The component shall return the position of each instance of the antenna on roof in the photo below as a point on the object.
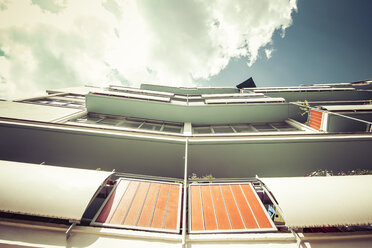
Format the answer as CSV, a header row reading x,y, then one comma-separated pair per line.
x,y
249,83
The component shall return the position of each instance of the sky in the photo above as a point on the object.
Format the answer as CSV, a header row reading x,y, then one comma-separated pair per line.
x,y
51,44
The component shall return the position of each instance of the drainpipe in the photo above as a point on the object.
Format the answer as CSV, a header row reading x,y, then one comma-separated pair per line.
x,y
184,196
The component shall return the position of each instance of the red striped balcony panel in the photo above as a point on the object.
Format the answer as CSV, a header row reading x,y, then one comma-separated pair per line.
x,y
142,205
316,119
226,208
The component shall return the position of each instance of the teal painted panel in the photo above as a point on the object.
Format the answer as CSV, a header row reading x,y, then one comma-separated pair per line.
x,y
341,124
366,116
296,113
204,114
272,158
81,149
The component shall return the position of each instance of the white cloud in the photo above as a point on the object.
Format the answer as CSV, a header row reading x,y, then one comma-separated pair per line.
x,y
268,53
53,44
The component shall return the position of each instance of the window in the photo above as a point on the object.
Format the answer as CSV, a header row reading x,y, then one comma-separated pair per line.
x,y
223,129
66,101
73,96
283,126
130,122
243,128
202,129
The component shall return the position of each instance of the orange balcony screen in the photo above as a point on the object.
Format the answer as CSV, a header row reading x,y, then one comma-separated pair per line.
x,y
226,208
316,119
140,204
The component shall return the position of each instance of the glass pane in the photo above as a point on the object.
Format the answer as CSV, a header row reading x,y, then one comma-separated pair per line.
x,y
87,119
109,121
172,129
82,119
73,105
129,124
283,126
75,96
264,127
151,126
222,129
57,103
243,128
43,102
202,130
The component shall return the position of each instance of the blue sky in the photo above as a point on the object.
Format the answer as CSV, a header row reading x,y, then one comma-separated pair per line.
x,y
51,44
328,42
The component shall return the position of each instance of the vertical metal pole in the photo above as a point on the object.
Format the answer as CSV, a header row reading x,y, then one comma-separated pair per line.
x,y
184,224
298,239
68,232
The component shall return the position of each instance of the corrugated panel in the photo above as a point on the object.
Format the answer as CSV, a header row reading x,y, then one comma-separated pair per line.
x,y
316,119
323,201
144,205
226,208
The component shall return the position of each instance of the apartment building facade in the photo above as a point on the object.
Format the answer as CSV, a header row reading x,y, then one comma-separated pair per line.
x,y
170,166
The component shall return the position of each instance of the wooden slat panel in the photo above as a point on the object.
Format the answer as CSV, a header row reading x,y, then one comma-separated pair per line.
x,y
313,118
136,207
172,208
112,203
316,112
221,214
245,210
256,207
197,223
158,219
236,207
124,204
142,204
208,209
315,126
235,219
149,205
316,119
